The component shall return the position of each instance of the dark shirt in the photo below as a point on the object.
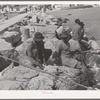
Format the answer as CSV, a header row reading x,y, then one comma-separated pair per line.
x,y
39,46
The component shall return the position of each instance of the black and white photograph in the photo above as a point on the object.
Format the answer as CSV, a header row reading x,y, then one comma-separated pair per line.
x,y
50,46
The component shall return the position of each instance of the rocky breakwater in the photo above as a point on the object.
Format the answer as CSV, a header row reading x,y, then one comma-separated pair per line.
x,y
27,77
6,47
51,78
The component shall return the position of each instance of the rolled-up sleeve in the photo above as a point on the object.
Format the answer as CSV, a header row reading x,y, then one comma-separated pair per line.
x,y
30,48
58,50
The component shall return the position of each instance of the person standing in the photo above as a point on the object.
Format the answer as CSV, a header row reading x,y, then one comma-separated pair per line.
x,y
83,40
76,30
78,35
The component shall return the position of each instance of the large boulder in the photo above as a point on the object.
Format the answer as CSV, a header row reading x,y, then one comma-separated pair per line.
x,y
16,78
10,53
48,29
5,50
4,45
93,62
51,43
11,36
42,82
71,77
10,85
23,78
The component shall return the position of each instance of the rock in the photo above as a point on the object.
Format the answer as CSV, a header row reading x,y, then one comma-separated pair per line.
x,y
42,82
51,69
16,78
23,78
49,29
51,43
94,44
68,85
10,85
97,86
12,36
14,28
72,72
97,75
93,61
19,73
71,77
4,45
85,83
9,54
4,63
33,19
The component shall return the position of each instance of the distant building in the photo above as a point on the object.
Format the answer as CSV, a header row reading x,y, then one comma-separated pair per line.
x,y
60,6
12,8
96,5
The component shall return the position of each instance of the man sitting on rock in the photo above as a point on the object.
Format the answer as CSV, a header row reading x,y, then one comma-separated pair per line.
x,y
63,55
34,49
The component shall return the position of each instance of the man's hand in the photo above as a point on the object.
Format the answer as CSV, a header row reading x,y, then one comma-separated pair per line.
x,y
41,66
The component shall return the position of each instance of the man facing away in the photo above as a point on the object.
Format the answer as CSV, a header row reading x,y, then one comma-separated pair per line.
x,y
77,35
76,30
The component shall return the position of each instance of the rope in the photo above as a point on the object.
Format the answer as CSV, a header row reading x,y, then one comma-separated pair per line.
x,y
31,67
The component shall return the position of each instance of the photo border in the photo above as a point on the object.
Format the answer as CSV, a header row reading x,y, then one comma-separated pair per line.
x,y
48,93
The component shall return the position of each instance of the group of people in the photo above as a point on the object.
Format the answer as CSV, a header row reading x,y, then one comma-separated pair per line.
x,y
72,43
77,33
68,50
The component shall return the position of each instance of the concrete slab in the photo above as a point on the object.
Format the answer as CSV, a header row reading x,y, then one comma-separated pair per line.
x,y
7,23
4,45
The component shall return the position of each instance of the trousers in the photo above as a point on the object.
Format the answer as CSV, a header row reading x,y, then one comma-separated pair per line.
x,y
38,56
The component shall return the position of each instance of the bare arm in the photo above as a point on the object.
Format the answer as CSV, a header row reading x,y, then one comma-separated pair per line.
x,y
30,57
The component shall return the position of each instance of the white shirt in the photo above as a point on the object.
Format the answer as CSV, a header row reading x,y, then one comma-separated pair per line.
x,y
94,44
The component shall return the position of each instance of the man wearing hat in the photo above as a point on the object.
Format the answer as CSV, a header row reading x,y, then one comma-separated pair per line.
x,y
37,51
63,53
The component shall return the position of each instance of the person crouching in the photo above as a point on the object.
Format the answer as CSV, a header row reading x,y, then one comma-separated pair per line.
x,y
63,55
37,51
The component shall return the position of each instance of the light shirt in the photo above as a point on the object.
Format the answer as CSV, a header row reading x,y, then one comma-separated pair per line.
x,y
76,32
63,50
94,45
